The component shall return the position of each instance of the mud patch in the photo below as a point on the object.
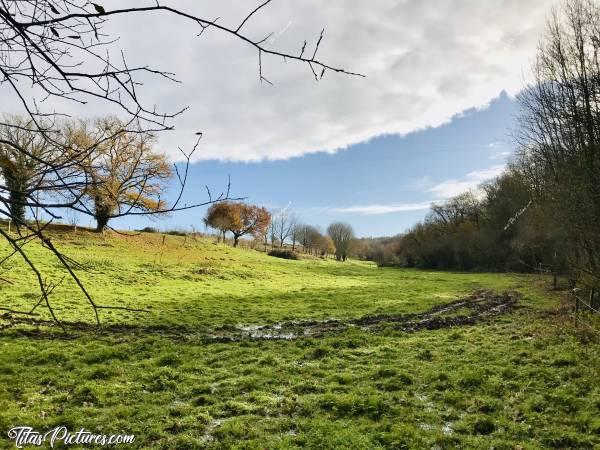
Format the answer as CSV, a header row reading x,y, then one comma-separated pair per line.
x,y
480,305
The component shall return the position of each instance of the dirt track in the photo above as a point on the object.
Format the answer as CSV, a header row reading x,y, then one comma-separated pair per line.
x,y
466,311
480,305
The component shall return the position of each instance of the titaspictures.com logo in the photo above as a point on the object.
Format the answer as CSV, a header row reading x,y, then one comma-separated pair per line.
x,y
24,435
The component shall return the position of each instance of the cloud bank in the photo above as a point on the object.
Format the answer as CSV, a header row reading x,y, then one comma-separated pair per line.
x,y
424,61
377,209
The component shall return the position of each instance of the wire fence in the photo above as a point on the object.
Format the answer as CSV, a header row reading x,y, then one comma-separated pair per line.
x,y
585,310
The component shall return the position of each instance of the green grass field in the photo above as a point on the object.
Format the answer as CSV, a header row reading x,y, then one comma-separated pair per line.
x,y
524,379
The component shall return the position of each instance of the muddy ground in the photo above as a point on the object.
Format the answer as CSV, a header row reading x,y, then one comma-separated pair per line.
x,y
480,305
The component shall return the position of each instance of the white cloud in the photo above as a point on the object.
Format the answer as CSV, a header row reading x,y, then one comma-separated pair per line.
x,y
424,61
452,187
500,155
501,151
377,209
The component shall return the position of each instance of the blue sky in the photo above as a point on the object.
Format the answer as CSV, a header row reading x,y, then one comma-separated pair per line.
x,y
427,122
381,186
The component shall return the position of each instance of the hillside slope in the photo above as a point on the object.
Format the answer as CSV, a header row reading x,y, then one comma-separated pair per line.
x,y
520,378
199,283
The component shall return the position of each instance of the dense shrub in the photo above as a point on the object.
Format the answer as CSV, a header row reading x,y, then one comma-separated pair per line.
x,y
285,254
149,230
176,232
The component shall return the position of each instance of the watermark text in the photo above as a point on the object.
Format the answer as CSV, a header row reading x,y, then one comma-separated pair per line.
x,y
24,435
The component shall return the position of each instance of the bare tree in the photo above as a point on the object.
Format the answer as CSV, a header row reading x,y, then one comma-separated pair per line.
x,y
272,230
559,131
301,235
60,50
342,235
283,224
265,234
457,209
24,175
297,234
312,239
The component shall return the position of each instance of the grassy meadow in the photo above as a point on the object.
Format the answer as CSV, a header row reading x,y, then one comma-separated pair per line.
x,y
524,379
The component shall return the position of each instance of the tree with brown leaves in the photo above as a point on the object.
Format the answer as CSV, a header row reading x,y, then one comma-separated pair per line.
x,y
220,217
126,172
249,219
239,218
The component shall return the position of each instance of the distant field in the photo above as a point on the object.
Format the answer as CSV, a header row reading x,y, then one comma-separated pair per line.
x,y
203,284
519,378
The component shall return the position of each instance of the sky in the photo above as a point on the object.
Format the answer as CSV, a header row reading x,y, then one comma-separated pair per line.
x,y
381,187
432,117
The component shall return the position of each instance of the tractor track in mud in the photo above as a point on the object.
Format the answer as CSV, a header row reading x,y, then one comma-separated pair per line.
x,y
479,306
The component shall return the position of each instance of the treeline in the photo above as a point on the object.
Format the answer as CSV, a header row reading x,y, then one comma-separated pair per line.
x,y
103,167
107,168
545,210
496,228
278,229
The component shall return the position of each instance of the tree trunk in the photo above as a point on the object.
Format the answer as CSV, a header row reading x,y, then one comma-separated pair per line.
x,y
101,223
16,199
103,211
236,239
17,208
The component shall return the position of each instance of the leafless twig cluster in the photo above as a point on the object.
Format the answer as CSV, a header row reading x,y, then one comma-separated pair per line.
x,y
53,52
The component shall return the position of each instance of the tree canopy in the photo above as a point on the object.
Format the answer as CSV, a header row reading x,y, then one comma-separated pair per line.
x,y
126,172
239,218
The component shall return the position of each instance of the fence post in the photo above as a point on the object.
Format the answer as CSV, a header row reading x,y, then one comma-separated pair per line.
x,y
576,305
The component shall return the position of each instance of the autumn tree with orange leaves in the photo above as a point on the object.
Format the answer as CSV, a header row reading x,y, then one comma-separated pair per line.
x,y
240,219
220,216
125,173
